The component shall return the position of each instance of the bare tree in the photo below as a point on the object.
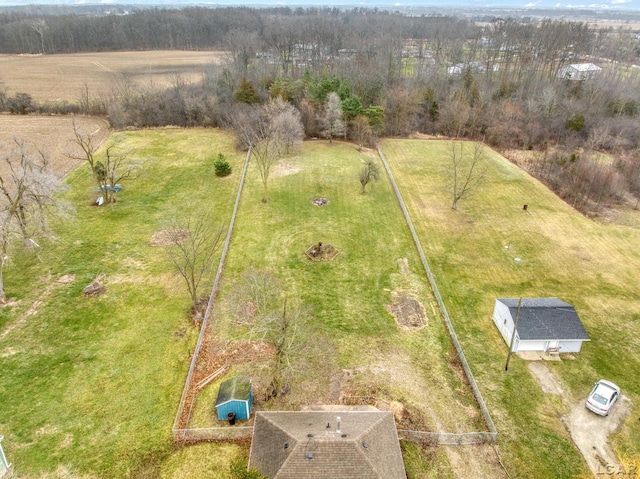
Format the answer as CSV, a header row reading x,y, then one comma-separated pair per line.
x,y
630,167
285,125
467,169
192,244
259,303
283,332
370,172
332,124
27,192
110,169
401,111
361,131
254,297
271,131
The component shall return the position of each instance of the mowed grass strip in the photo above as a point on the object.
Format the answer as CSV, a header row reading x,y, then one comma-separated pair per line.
x,y
472,252
92,384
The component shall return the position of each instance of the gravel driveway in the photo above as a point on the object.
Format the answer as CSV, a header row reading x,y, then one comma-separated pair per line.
x,y
589,432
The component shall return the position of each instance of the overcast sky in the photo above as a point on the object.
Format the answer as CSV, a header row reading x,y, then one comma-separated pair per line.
x,y
575,4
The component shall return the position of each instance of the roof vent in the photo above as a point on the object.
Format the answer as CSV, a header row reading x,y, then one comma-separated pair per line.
x,y
365,444
309,435
309,455
286,445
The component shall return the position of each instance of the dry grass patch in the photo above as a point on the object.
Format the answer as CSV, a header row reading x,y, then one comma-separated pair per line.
x,y
53,135
64,77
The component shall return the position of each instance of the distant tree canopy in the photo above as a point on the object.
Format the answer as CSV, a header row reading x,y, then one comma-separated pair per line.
x,y
495,81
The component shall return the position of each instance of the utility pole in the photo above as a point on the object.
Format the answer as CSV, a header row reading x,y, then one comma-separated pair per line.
x,y
513,336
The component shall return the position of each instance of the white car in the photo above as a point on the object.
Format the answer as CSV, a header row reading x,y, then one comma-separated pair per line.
x,y
602,397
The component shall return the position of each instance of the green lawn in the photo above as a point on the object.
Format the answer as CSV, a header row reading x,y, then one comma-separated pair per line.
x,y
563,254
90,386
347,298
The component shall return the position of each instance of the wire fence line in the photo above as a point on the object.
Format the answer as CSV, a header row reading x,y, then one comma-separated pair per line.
x,y
242,433
434,287
207,314
185,434
447,438
427,437
202,434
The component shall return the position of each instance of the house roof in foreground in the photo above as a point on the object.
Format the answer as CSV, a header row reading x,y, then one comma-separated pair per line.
x,y
546,319
308,445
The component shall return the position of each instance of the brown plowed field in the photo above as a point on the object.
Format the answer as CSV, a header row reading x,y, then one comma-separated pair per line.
x,y
63,77
53,135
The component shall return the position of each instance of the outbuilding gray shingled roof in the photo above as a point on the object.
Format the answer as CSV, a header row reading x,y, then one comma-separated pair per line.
x,y
307,445
546,319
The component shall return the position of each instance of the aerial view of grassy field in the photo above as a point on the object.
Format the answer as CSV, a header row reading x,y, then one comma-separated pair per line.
x,y
562,254
330,292
356,348
90,386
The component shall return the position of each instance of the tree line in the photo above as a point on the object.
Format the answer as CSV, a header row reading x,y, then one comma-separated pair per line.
x,y
360,73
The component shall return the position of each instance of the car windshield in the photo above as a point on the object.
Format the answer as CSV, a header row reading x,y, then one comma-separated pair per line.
x,y
600,399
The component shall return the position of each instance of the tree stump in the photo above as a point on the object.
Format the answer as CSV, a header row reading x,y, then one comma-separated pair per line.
x,y
96,287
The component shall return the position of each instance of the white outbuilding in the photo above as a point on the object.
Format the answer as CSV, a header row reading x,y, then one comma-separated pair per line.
x,y
579,71
544,324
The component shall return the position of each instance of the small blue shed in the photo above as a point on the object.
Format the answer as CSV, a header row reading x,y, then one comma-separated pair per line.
x,y
235,396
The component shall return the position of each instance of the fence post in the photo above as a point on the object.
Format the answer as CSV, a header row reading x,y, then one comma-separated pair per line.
x,y
214,290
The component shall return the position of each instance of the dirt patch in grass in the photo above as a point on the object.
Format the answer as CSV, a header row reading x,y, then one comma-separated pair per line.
x,y
284,168
167,237
408,312
548,381
321,252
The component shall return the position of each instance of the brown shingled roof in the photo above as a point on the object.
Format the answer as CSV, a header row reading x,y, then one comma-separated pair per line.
x,y
307,445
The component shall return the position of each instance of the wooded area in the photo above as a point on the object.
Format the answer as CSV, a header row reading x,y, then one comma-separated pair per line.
x,y
394,74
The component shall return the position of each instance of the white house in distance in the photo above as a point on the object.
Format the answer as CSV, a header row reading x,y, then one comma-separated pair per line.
x,y
544,324
579,71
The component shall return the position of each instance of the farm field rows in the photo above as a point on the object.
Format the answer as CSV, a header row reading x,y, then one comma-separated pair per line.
x,y
64,77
